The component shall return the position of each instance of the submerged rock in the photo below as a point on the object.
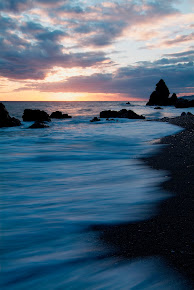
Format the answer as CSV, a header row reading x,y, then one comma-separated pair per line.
x,y
6,120
95,119
158,108
110,119
59,115
129,114
38,125
35,115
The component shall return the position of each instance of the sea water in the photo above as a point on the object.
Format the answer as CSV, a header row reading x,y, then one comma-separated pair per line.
x,y
57,182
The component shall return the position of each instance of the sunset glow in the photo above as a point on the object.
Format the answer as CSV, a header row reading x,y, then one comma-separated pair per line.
x,y
94,50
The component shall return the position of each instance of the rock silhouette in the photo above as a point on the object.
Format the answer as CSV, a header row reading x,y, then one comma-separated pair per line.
x,y
95,119
59,115
159,97
38,125
183,103
173,100
6,120
129,114
35,115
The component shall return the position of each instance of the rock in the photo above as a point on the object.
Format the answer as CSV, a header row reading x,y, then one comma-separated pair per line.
x,y
35,115
110,119
184,103
108,114
189,114
59,115
38,124
95,119
172,100
183,114
159,97
129,114
128,103
158,108
6,120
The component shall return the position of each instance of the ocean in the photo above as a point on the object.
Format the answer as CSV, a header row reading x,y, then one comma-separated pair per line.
x,y
58,182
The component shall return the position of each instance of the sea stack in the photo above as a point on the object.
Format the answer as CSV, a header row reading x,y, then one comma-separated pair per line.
x,y
159,97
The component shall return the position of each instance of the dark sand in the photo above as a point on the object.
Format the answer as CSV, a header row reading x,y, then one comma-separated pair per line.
x,y
169,234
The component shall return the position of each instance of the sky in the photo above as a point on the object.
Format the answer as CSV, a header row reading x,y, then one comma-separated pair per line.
x,y
95,50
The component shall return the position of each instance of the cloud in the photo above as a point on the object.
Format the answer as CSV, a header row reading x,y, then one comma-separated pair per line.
x,y
132,81
41,34
179,39
178,54
23,5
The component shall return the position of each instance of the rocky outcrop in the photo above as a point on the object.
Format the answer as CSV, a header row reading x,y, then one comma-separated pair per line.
x,y
184,103
172,101
159,97
128,103
158,108
59,115
6,120
129,114
95,119
38,125
35,115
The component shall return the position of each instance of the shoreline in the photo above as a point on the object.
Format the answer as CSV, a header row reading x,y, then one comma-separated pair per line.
x,y
169,234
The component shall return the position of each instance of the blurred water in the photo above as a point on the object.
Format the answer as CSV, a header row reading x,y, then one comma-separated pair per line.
x,y
57,182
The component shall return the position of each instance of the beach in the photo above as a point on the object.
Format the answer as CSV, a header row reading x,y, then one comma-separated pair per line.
x,y
83,205
169,234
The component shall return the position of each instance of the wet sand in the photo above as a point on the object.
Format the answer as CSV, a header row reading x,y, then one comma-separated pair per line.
x,y
169,234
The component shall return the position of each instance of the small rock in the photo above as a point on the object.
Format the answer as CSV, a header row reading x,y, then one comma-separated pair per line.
x,y
95,119
59,115
110,119
38,125
158,108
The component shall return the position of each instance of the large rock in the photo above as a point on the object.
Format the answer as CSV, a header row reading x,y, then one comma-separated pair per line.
x,y
129,114
6,120
159,97
38,125
59,115
35,115
172,101
184,103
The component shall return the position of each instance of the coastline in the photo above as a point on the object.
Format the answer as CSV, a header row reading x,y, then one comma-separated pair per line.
x,y
169,234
